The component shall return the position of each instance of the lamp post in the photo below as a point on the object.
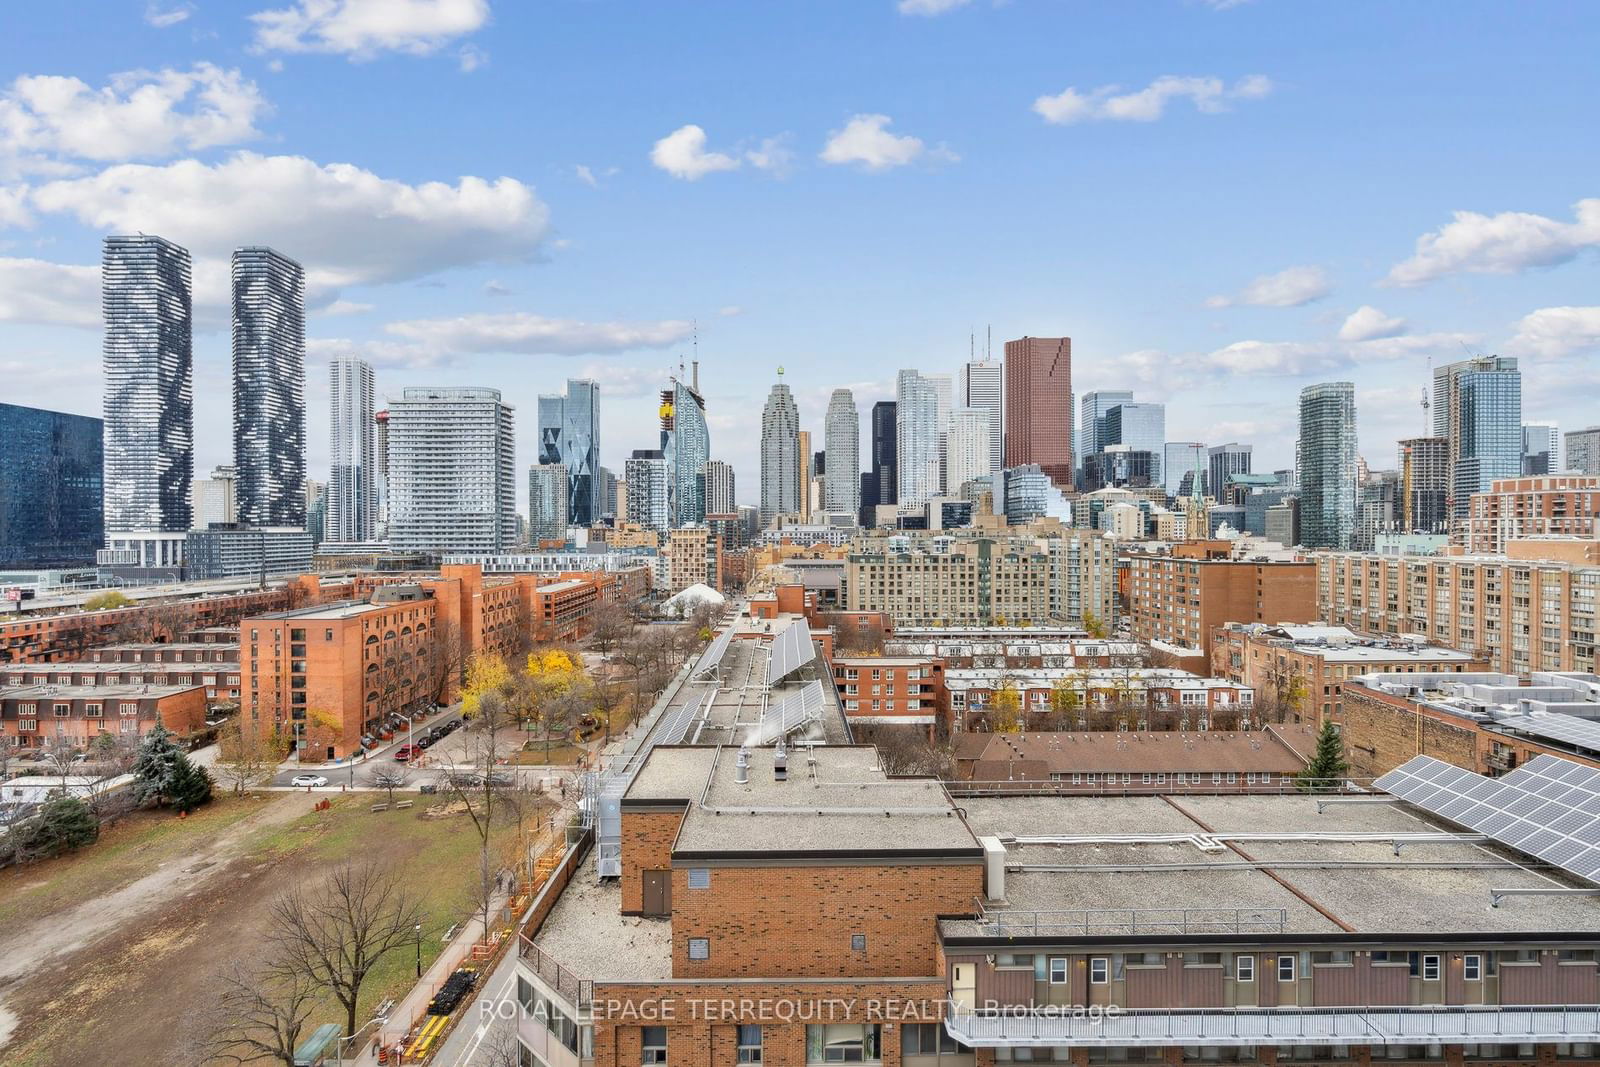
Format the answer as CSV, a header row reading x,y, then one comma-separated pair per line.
x,y
419,951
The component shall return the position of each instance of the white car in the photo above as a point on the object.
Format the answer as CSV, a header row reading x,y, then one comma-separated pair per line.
x,y
301,781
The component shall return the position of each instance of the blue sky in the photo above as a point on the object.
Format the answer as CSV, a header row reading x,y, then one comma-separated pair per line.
x,y
1219,202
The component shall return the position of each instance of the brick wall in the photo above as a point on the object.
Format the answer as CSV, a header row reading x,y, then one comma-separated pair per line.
x,y
647,838
1380,735
766,921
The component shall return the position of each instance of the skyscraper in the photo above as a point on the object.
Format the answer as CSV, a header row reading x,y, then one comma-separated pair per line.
x,y
380,448
569,434
452,471
1231,458
967,448
269,387
649,489
916,438
884,466
841,437
1179,458
353,470
51,493
686,444
803,457
1092,410
1142,427
216,498
1583,450
983,388
1424,484
1327,465
780,455
547,503
149,400
1038,406
718,479
1477,408
1541,448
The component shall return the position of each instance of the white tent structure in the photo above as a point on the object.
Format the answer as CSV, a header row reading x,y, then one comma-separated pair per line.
x,y
683,603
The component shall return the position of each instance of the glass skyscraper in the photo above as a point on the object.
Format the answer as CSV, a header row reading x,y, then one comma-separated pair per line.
x,y
1093,409
452,471
917,430
1478,410
50,488
841,437
1142,427
353,486
569,434
780,455
149,396
686,444
269,387
1328,465
547,503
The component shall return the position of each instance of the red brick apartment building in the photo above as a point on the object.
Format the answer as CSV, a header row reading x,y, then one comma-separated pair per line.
x,y
1537,506
218,678
1180,602
803,908
31,714
892,691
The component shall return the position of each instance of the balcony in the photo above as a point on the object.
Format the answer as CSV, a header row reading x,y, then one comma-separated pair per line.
x,y
1232,1027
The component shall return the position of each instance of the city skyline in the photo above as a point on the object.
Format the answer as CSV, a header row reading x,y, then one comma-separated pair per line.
x,y
529,284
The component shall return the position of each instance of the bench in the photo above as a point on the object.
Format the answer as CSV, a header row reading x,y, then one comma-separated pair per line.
x,y
402,805
380,807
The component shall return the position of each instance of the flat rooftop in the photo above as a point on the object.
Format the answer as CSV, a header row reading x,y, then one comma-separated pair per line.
x,y
1113,860
343,610
120,667
587,934
110,692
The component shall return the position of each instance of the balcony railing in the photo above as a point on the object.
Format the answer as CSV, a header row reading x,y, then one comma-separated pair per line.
x,y
1272,1026
1007,922
579,992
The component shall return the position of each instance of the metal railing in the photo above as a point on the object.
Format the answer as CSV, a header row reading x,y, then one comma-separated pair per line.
x,y
1280,786
578,991
1007,922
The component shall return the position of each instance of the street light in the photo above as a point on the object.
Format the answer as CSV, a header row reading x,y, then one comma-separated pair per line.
x,y
419,952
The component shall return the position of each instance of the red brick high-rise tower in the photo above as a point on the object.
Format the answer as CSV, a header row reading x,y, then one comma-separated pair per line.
x,y
1038,401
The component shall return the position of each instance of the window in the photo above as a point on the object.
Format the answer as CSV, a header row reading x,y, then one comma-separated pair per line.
x,y
63,710
1232,777
1330,959
1058,970
1144,959
858,942
1523,956
927,1039
1092,777
1216,777
699,948
749,1044
1381,957
653,1044
1246,966
1014,960
1077,777
1430,968
1471,968
699,877
1202,959
1576,955
1161,778
91,711
1147,778
842,1043
1285,968
1099,971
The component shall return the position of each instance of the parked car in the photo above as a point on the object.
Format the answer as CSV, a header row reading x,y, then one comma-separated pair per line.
x,y
308,781
405,752
426,741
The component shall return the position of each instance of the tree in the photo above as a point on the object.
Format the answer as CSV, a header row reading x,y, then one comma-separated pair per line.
x,y
111,598
110,756
155,766
389,778
60,756
1064,704
1092,624
481,793
63,823
335,932
10,746
610,623
191,785
444,661
260,1016
1328,766
486,672
1007,704
246,753
906,750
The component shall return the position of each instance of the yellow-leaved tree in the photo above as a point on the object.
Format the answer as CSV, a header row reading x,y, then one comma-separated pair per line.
x,y
1007,709
486,672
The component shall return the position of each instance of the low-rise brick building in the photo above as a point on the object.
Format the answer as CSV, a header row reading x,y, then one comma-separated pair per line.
x,y
219,679
1145,698
893,691
31,714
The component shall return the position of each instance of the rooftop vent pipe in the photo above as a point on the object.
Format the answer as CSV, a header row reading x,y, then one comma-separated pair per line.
x,y
780,763
741,766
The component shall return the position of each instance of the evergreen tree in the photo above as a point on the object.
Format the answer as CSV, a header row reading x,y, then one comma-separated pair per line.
x,y
155,766
1328,766
63,824
191,785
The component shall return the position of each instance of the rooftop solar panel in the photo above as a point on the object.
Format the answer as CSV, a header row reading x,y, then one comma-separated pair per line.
x,y
711,658
791,650
789,714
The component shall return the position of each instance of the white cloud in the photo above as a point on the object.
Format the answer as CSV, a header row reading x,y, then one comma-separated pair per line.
x,y
773,155
161,18
730,311
929,7
866,140
586,176
381,354
33,290
362,29
347,225
682,154
140,115
345,307
14,206
1506,243
529,334
625,381
1325,357
1209,95
1367,323
1557,331
471,57
1288,288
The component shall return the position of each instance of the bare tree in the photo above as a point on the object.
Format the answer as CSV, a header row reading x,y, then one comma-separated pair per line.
x,y
389,778
333,934
905,750
482,793
446,660
245,752
59,753
260,1016
110,756
611,623
10,747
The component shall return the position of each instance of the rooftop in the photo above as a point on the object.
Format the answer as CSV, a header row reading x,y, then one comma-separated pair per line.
x,y
344,609
110,692
587,934
1283,750
1337,644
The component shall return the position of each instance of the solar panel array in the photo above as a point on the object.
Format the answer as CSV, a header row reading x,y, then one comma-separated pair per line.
x,y
711,658
1548,808
791,650
675,723
790,714
1568,729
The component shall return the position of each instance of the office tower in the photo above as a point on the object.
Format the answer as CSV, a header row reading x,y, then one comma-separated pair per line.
x,y
269,387
1327,465
944,388
1120,466
569,434
968,448
1583,450
686,444
1092,411
1477,408
149,400
1541,448
608,483
1143,428
1026,493
781,487
316,504
1181,458
51,490
649,489
547,503
452,471
1424,484
841,438
1231,458
380,484
885,454
983,387
353,460
916,438
803,472
1380,504
718,477
1038,410
215,499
